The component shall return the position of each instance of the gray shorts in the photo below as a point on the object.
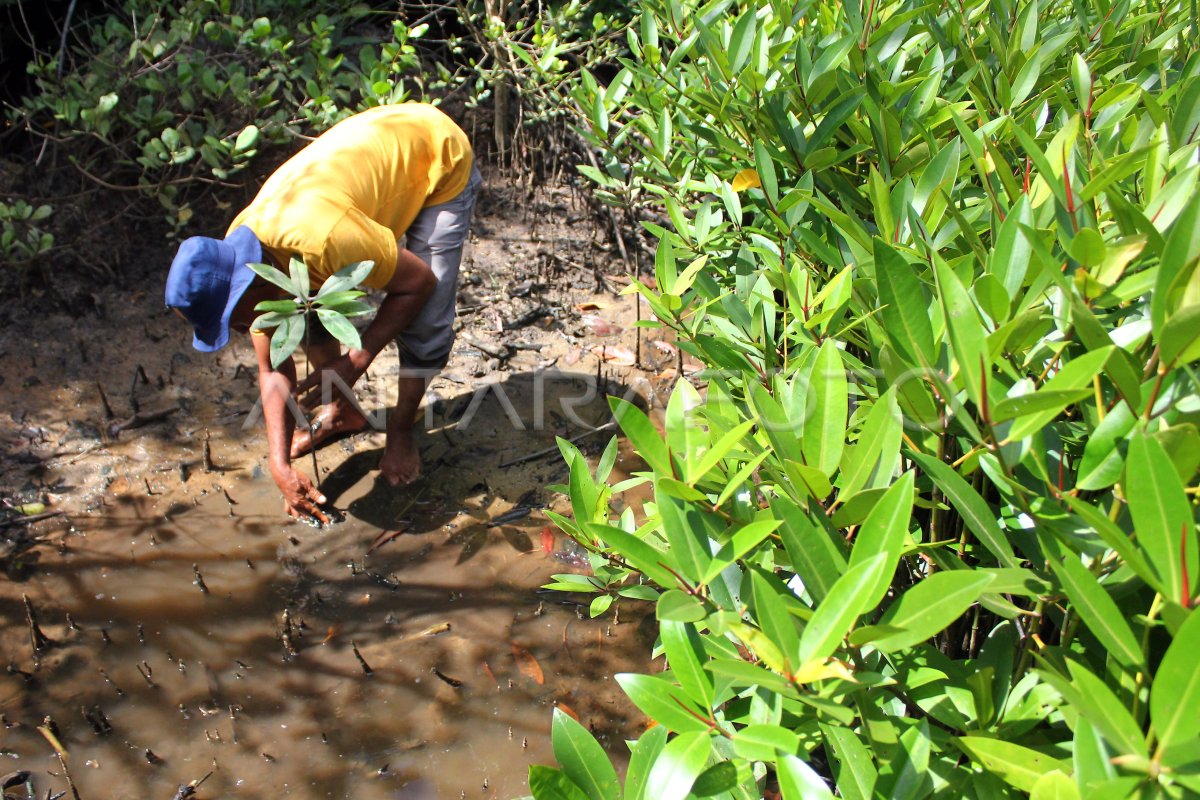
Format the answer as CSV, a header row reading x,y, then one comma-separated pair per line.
x,y
437,237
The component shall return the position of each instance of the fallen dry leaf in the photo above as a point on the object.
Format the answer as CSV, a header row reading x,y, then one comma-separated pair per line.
x,y
592,305
527,664
614,354
566,709
547,540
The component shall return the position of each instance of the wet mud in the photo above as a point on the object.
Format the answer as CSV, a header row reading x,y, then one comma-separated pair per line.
x,y
168,632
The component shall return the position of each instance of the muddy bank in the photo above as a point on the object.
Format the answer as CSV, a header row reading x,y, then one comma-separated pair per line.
x,y
405,652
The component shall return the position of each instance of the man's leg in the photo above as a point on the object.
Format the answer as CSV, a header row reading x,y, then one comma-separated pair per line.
x,y
401,462
437,237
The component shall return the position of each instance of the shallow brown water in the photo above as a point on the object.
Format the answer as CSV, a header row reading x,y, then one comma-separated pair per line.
x,y
467,660
227,697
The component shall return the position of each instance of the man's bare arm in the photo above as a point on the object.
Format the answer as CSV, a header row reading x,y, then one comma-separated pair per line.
x,y
275,387
407,292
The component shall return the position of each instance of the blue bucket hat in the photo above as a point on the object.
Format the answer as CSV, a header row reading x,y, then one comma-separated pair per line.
x,y
207,278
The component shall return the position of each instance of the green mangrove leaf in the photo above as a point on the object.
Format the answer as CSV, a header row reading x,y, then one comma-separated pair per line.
x,y
548,783
286,339
272,275
825,428
974,511
686,656
854,593
924,610
1176,691
799,781
641,758
1095,606
582,758
906,306
883,532
855,766
1017,765
1162,516
340,327
642,435
678,766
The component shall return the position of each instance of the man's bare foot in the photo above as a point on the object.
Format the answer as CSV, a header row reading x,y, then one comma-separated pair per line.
x,y
401,462
333,421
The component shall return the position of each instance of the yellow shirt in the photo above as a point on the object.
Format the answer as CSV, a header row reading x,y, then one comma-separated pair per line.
x,y
351,193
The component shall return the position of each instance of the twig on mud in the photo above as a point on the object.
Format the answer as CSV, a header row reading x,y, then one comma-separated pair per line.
x,y
68,458
432,630
38,640
384,537
549,450
362,662
207,453
495,351
105,407
16,779
187,790
120,692
47,731
528,318
95,716
455,682
146,672
139,419
14,521
199,580
138,373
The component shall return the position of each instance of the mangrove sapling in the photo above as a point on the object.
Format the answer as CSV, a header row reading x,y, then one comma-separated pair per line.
x,y
334,302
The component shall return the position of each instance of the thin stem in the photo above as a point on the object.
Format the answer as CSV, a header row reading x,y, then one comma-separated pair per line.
x,y
311,424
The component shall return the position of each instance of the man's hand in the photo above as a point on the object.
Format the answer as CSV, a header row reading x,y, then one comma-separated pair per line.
x,y
301,499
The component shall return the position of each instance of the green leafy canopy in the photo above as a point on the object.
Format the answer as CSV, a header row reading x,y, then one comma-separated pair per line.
x,y
928,526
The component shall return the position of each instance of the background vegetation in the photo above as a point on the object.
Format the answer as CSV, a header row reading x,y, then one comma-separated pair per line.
x,y
134,119
930,528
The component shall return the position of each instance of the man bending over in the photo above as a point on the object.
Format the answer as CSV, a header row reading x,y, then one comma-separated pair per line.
x,y
390,172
